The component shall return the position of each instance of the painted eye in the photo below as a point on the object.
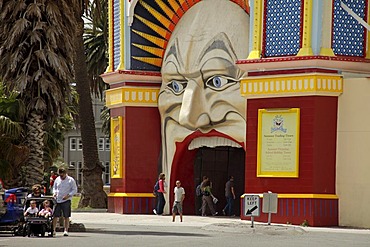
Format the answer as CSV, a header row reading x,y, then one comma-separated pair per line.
x,y
176,86
219,82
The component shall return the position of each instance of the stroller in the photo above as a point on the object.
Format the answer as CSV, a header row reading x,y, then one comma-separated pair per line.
x,y
38,225
11,209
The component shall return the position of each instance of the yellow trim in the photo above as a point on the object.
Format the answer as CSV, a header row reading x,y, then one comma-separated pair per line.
x,y
278,159
110,37
302,196
368,31
117,155
257,30
327,52
306,49
326,41
121,65
297,85
130,195
132,96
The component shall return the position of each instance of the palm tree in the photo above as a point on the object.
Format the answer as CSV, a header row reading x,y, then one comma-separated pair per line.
x,y
92,193
13,152
36,53
96,47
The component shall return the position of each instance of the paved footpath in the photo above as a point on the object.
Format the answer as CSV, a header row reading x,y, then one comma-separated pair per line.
x,y
109,229
220,223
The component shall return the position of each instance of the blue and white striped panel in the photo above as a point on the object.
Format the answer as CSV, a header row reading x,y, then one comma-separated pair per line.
x,y
116,36
348,33
283,23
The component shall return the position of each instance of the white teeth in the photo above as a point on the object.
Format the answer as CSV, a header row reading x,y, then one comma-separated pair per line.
x,y
212,142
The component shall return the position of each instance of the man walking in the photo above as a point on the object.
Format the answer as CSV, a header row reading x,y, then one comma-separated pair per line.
x,y
179,198
230,197
63,190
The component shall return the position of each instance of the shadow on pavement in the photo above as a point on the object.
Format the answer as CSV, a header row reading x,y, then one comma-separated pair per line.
x,y
148,233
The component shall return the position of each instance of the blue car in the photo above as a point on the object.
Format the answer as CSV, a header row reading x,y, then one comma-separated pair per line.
x,y
14,200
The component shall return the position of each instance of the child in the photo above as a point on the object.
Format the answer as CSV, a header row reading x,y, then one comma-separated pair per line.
x,y
46,211
32,209
179,198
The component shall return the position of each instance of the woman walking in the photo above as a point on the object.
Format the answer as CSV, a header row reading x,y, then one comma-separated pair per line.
x,y
160,195
207,198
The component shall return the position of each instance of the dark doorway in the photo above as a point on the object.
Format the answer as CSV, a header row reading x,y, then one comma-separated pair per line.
x,y
218,164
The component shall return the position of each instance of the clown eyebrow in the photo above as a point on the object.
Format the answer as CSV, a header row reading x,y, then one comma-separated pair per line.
x,y
220,41
173,50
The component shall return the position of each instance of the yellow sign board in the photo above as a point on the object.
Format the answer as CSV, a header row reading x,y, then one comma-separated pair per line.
x,y
117,147
278,142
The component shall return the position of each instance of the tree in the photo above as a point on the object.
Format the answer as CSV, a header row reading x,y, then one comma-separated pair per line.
x,y
13,151
96,47
92,193
35,59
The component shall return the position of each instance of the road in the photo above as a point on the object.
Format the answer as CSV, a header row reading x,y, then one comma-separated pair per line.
x,y
106,229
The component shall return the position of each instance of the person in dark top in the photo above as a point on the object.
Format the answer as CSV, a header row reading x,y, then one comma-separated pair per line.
x,y
230,197
36,191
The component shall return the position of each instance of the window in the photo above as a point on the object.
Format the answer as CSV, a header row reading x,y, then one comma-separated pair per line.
x,y
101,144
107,173
79,148
107,144
72,144
79,173
72,165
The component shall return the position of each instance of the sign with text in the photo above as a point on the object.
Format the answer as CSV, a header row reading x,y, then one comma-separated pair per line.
x,y
116,151
252,205
278,142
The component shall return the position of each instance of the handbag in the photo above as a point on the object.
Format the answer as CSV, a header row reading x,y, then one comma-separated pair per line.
x,y
214,199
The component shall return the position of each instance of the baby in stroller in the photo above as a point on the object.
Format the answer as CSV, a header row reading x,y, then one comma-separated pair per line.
x,y
39,223
46,211
32,210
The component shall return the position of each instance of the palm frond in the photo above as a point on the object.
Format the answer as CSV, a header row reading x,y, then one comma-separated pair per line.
x,y
10,128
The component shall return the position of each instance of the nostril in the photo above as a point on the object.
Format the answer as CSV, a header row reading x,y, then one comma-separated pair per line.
x,y
202,121
193,121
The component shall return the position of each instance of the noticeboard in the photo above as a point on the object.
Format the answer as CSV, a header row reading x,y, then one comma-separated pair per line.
x,y
278,142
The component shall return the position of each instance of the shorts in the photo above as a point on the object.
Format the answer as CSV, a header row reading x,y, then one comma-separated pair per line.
x,y
63,209
177,208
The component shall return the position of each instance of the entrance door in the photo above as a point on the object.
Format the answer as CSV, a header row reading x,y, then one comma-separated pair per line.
x,y
218,164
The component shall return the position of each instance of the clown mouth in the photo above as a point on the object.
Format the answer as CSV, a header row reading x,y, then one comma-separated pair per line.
x,y
213,141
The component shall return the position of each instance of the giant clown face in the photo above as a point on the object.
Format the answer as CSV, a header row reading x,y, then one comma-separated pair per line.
x,y
199,101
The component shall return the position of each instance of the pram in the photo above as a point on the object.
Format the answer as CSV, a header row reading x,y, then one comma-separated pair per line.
x,y
38,225
11,213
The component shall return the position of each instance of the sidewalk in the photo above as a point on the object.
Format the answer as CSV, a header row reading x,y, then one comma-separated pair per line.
x,y
218,223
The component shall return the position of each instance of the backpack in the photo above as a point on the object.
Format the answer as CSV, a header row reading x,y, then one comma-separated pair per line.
x,y
198,191
156,187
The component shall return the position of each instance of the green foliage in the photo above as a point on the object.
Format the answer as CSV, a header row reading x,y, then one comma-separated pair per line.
x,y
305,223
12,149
96,45
96,48
105,117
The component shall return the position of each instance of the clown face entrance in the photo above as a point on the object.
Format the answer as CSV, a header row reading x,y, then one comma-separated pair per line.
x,y
218,164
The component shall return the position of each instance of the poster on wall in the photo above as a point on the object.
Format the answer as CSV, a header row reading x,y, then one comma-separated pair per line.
x,y
278,142
116,169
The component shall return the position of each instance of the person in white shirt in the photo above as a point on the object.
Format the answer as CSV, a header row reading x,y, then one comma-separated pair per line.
x,y
32,209
179,198
63,190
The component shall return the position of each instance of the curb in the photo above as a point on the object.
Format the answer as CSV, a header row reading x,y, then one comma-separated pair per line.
x,y
73,227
